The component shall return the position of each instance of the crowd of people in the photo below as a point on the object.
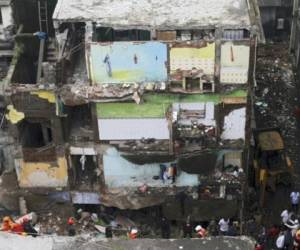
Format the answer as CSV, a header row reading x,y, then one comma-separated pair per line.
x,y
286,235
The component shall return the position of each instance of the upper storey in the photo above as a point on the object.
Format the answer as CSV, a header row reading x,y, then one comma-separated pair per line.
x,y
156,14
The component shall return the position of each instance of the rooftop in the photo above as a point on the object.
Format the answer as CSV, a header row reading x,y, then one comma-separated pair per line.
x,y
157,14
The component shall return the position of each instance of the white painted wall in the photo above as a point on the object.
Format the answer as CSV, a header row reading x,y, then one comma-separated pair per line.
x,y
7,19
234,63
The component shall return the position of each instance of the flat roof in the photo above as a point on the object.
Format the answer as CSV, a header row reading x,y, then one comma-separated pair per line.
x,y
155,14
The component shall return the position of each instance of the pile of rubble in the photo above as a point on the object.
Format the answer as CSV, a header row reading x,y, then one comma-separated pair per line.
x,y
276,95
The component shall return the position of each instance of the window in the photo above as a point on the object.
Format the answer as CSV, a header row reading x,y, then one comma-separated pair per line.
x,y
35,134
208,87
280,23
236,34
103,34
166,35
192,83
186,35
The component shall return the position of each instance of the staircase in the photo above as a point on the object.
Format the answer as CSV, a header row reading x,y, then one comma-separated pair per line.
x,y
51,53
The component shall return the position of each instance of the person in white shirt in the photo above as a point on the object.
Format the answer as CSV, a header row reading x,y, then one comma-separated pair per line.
x,y
285,216
295,199
280,241
223,226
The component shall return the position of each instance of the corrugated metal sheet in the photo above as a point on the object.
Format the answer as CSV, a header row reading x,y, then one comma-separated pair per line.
x,y
155,14
133,129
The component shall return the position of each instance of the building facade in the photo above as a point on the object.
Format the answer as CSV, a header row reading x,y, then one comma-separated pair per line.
x,y
138,106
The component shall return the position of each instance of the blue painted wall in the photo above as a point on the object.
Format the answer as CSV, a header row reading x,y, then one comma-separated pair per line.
x,y
118,172
123,62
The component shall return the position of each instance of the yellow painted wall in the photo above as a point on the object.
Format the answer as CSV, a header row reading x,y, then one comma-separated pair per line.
x,y
13,115
43,174
44,94
189,58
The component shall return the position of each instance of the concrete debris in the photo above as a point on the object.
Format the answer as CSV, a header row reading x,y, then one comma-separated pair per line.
x,y
94,243
73,95
277,107
152,14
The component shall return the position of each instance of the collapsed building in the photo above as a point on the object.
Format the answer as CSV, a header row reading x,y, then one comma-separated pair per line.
x,y
133,104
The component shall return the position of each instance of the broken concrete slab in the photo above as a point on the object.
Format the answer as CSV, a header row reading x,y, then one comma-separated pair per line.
x,y
16,242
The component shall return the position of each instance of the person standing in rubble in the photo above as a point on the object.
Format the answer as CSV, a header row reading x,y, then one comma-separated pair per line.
x,y
223,226
295,199
162,172
71,227
165,228
173,172
285,216
187,229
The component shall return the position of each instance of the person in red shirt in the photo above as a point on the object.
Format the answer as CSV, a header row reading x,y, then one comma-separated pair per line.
x,y
10,226
259,247
272,235
6,224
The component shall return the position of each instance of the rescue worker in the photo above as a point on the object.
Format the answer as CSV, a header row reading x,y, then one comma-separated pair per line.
x,y
288,239
187,230
71,226
223,226
200,231
295,199
133,234
272,235
10,226
297,240
6,226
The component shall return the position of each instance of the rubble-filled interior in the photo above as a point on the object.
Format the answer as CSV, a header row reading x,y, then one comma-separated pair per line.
x,y
112,114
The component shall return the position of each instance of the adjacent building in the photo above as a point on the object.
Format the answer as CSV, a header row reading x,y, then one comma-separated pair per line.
x,y
295,36
276,18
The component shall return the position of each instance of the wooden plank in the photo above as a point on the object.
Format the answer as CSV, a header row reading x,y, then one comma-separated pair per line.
x,y
40,61
166,35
